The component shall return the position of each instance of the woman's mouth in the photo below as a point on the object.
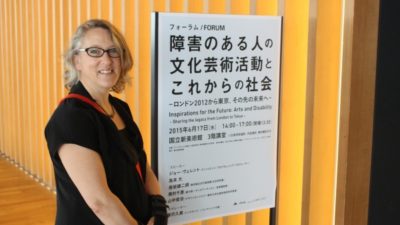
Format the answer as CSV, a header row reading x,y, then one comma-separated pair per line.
x,y
106,72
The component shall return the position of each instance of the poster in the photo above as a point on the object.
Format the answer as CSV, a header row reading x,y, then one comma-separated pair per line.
x,y
215,112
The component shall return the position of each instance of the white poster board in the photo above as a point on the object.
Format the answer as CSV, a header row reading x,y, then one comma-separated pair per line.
x,y
215,112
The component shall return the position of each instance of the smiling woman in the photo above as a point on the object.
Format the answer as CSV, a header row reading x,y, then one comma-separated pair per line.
x,y
100,166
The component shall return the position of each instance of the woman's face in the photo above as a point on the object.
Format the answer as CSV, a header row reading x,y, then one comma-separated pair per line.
x,y
98,72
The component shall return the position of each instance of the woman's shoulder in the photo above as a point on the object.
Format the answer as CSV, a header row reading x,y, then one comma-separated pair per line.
x,y
72,122
74,106
73,111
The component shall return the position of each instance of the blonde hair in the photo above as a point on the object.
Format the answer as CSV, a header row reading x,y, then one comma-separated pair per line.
x,y
71,75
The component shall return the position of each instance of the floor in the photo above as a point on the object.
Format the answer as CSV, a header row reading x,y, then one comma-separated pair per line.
x,y
22,200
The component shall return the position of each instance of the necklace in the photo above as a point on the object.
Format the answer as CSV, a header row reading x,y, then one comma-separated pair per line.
x,y
111,115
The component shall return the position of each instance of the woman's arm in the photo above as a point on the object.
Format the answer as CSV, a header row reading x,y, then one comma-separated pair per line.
x,y
151,185
86,170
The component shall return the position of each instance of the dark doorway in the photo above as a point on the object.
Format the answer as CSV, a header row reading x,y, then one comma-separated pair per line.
x,y
384,205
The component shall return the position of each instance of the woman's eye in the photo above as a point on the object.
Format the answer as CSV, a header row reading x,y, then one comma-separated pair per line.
x,y
113,52
95,51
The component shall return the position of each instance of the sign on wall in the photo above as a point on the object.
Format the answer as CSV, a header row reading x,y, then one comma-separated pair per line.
x,y
215,112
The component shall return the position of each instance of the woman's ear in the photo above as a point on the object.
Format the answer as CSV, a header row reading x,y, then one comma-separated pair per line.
x,y
76,62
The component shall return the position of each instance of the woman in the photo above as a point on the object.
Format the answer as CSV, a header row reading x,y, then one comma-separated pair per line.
x,y
101,170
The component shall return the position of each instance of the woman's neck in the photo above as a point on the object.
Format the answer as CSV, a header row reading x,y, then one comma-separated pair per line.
x,y
98,94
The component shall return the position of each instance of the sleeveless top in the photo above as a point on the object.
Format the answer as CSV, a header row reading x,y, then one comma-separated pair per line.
x,y
78,123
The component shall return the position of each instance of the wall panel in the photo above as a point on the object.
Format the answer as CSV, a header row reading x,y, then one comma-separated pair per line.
x,y
47,95
216,6
41,95
195,6
293,111
65,30
10,88
34,90
8,129
325,112
2,78
74,8
16,94
144,72
22,62
178,5
130,22
56,54
29,128
7,34
94,9
104,9
269,8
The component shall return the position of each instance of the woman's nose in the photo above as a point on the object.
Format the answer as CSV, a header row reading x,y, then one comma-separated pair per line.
x,y
105,58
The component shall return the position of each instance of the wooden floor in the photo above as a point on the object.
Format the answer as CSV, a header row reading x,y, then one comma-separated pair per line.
x,y
22,200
